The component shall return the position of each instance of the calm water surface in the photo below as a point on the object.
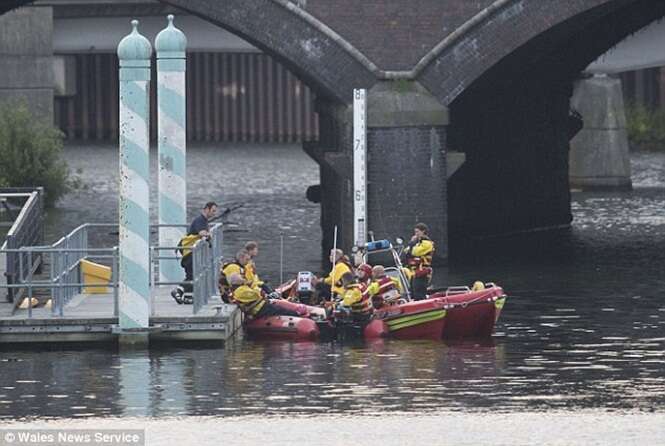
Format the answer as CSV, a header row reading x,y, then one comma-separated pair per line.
x,y
580,344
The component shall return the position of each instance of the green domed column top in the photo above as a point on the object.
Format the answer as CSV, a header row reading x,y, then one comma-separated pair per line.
x,y
171,45
134,52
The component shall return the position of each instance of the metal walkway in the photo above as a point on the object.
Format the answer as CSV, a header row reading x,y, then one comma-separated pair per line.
x,y
69,314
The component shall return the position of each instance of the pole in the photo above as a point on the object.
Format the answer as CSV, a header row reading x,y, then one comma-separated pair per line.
x,y
171,45
134,52
359,167
281,258
334,256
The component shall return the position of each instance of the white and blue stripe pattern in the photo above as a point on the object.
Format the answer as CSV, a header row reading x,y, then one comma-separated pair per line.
x,y
134,279
170,44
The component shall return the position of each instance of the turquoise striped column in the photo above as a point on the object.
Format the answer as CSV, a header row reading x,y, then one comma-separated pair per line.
x,y
134,52
171,45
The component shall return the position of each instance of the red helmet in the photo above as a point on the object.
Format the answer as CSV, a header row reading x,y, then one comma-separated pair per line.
x,y
364,270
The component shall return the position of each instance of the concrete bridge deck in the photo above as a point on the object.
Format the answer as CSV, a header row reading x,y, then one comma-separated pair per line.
x,y
89,318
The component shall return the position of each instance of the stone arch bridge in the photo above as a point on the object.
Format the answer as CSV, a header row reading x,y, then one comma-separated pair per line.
x,y
489,78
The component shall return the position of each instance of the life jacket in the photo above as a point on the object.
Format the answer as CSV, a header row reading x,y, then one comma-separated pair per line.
x,y
250,274
365,282
387,288
357,297
337,287
420,261
250,300
186,244
383,290
224,285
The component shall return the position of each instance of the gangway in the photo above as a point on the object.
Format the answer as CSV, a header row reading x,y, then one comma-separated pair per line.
x,y
25,229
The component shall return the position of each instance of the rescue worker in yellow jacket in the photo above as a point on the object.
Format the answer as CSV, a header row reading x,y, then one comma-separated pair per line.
x,y
383,289
356,298
251,275
419,253
331,285
236,266
252,301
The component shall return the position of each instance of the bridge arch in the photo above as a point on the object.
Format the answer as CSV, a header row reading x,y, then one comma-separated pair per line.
x,y
510,104
527,28
323,59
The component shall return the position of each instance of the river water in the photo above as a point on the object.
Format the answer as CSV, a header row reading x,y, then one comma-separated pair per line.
x,y
578,356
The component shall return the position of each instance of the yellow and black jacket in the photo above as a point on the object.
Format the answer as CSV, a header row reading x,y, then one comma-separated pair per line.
x,y
224,286
251,276
250,300
186,244
384,285
357,297
419,257
341,267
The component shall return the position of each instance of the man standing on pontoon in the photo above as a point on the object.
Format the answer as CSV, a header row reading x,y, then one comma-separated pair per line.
x,y
199,229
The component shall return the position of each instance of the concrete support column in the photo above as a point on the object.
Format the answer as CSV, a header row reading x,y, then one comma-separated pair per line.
x,y
406,165
599,156
171,45
134,53
26,58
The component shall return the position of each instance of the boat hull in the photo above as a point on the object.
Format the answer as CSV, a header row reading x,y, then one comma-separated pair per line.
x,y
300,328
471,315
424,319
282,328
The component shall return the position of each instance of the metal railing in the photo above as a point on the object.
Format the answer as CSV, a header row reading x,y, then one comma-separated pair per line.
x,y
64,258
206,272
64,281
26,230
206,258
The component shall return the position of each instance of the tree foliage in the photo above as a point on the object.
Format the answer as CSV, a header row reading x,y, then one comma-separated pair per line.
x,y
31,153
646,128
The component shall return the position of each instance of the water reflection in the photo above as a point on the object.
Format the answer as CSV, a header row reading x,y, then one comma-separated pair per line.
x,y
518,370
252,378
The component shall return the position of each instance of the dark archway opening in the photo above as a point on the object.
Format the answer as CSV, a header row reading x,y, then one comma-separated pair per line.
x,y
514,125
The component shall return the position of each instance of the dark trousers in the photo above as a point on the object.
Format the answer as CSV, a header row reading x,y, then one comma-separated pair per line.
x,y
273,310
361,318
419,287
188,266
324,291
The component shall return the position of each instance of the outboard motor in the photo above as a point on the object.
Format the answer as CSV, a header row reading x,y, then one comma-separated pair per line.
x,y
305,287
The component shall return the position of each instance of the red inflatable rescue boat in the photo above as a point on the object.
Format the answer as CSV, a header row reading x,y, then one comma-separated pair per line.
x,y
455,313
303,328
